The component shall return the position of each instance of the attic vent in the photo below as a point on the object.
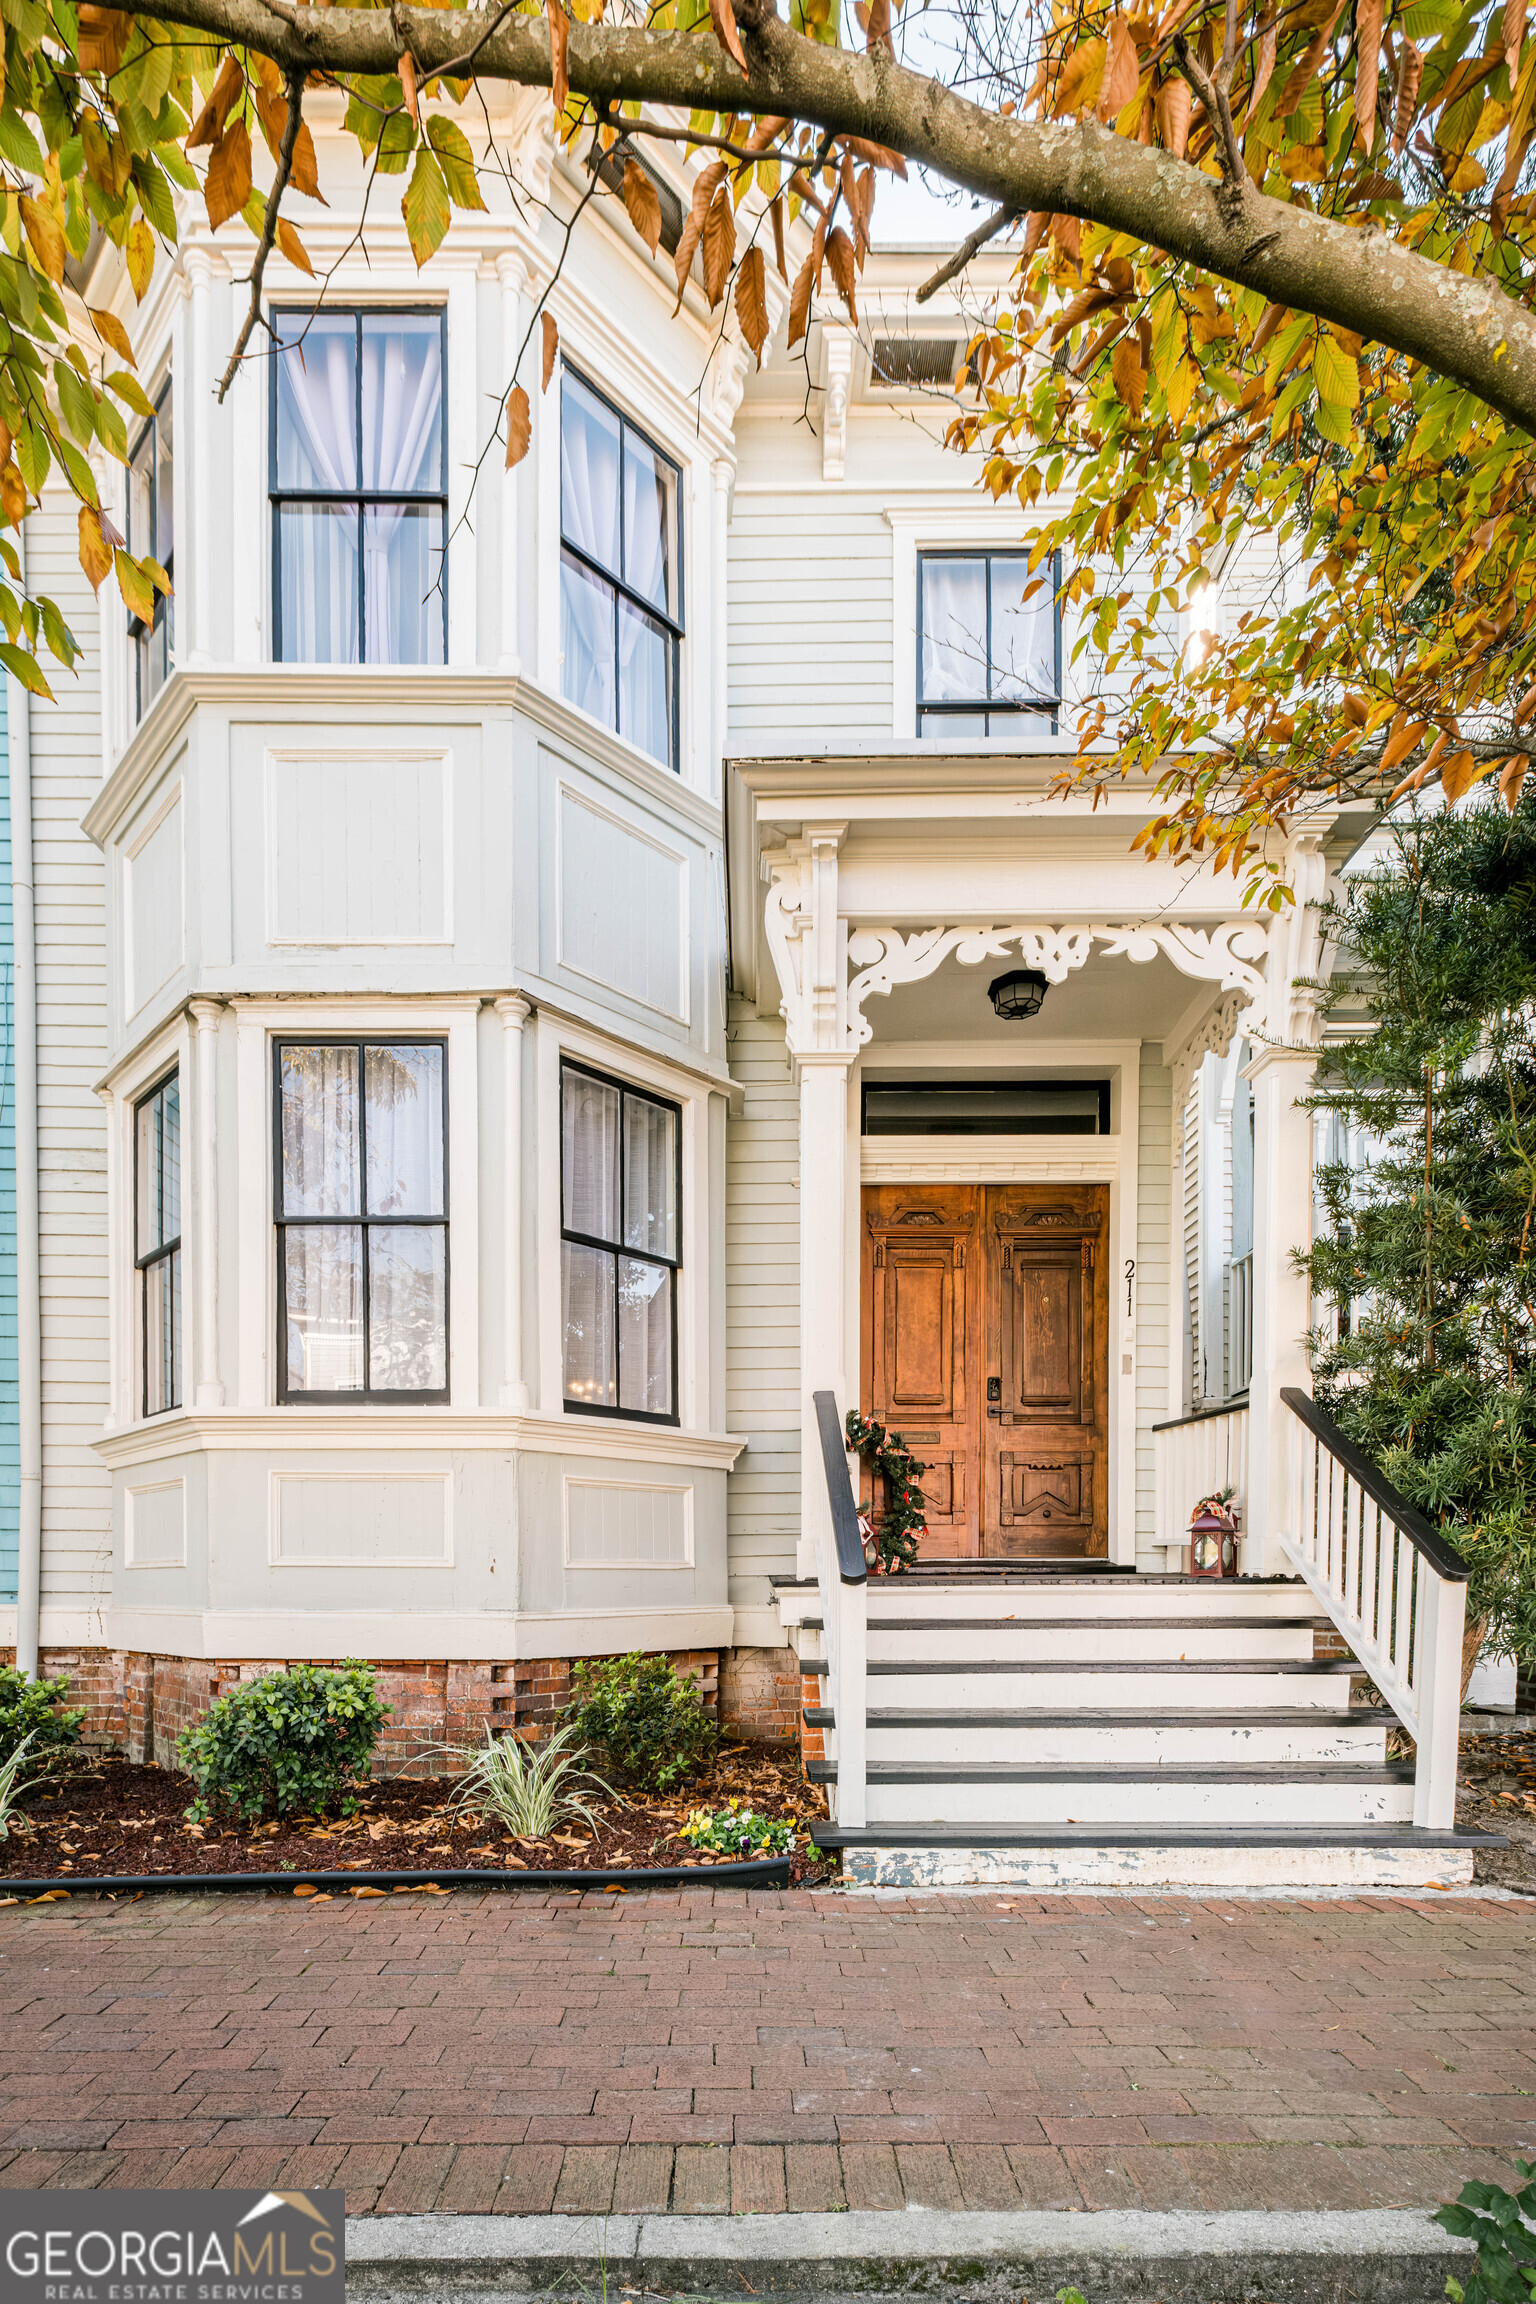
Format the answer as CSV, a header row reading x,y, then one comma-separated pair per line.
x,y
610,172
898,363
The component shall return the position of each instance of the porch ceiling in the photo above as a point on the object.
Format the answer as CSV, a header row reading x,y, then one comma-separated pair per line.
x,y
1107,1000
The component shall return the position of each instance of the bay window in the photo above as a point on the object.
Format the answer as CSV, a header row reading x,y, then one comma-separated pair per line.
x,y
157,1243
358,455
152,535
986,654
620,1247
621,617
362,1209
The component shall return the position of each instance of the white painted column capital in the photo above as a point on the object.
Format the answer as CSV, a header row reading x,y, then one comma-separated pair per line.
x,y
514,1012
206,1015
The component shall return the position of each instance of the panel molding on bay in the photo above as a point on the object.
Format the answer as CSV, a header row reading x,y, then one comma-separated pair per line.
x,y
623,906
628,1524
359,847
374,1519
153,915
155,1525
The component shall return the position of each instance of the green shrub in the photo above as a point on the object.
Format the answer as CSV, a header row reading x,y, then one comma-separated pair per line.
x,y
649,1721
739,1831
296,1739
36,1709
1503,2271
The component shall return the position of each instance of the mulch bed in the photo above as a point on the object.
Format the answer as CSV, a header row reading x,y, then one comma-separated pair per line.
x,y
114,1818
1496,1792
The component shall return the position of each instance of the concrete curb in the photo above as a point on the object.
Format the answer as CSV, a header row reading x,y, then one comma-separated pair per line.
x,y
1115,2256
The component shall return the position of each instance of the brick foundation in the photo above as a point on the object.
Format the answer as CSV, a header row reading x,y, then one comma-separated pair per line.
x,y
139,1704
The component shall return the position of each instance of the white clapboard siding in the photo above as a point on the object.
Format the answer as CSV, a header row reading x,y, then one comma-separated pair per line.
x,y
1189,1175
762,1364
1154,1292
811,615
71,1042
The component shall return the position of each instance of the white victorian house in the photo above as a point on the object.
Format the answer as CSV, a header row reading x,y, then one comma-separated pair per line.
x,y
512,1048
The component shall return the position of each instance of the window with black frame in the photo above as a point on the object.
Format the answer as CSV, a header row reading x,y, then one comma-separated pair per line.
x,y
157,1242
621,616
361,1159
986,653
152,535
358,484
620,1247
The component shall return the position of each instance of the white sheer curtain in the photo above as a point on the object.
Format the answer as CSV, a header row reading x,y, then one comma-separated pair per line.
x,y
954,631
589,1160
320,1132
407,1308
317,449
404,1088
586,641
650,1177
645,1337
323,1280
402,450
589,519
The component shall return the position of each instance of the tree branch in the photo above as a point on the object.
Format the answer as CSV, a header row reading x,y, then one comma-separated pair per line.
x,y
1463,327
998,221
291,127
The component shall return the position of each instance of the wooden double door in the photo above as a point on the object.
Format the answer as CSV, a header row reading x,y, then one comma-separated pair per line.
x,y
985,1327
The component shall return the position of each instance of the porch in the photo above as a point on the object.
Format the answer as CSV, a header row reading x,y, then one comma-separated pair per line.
x,y
1057,1252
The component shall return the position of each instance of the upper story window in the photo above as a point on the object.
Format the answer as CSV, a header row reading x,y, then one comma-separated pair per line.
x,y
157,1242
359,502
985,653
620,1247
152,533
362,1231
621,616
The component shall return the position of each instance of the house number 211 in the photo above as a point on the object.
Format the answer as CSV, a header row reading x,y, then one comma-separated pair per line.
x,y
1130,1275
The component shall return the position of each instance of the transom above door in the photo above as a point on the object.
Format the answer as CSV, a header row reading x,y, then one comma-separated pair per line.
x,y
984,1315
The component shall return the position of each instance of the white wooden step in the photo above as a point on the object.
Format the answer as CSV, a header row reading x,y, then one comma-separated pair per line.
x,y
1139,1799
1307,1735
1088,1856
1088,1638
989,1684
1114,1597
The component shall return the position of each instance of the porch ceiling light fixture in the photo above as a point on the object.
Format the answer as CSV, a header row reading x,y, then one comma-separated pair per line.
x,y
1018,994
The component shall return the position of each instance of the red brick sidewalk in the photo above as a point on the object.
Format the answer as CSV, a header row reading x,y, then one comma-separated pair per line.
x,y
715,2051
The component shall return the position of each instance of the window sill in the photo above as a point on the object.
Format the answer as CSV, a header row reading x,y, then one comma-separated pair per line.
x,y
292,1429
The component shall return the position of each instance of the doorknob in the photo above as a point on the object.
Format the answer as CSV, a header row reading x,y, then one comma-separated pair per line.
x,y
994,1396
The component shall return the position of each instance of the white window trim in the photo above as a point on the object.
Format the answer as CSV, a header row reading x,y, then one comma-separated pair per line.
x,y
555,1038
951,528
169,1050
257,1024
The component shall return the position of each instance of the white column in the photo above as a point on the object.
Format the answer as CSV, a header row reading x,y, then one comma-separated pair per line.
x,y
514,1013
512,272
722,472
206,1014
1282,1296
823,1250
119,1260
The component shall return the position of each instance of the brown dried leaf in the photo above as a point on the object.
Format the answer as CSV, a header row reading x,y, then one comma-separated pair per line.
x,y
1409,76
1406,734
208,127
1367,68
551,335
643,203
111,331
95,551
722,16
559,42
752,301
1513,29
1129,375
13,494
800,303
1122,70
102,40
841,258
776,218
519,425
407,71
1458,774
1173,116
1511,779
706,184
878,34
719,246
1306,68
1264,67
293,247
227,185
1080,79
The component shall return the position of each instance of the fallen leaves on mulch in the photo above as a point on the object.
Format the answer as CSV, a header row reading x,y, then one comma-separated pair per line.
x,y
115,1817
1497,1793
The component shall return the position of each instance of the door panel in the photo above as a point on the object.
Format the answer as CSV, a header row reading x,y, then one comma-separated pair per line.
x,y
921,1345
971,1287
1045,1487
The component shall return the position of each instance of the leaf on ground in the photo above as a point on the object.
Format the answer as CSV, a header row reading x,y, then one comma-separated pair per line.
x,y
643,204
519,425
752,301
227,185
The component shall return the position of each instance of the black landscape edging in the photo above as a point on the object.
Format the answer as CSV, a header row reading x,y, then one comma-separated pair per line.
x,y
762,1872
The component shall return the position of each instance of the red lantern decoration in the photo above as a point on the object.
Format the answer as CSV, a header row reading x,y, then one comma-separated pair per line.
x,y
1212,1539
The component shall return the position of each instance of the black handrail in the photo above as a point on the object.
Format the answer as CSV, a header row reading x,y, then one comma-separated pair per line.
x,y
1425,1540
1204,1415
851,1564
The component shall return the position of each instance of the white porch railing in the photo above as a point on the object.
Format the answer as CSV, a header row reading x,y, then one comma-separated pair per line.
x,y
842,1575
1392,1585
1240,1323
1198,1456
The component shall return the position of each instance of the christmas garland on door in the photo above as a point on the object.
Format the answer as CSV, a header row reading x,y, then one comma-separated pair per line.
x,y
901,1523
